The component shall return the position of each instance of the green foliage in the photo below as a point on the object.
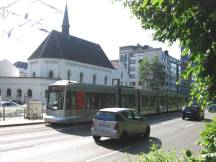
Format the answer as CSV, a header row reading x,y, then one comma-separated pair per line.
x,y
162,155
152,73
193,23
208,138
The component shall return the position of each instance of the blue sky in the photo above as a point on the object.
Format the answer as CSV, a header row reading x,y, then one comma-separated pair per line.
x,y
26,23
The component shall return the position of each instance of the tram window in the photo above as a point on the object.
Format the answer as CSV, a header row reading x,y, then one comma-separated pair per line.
x,y
98,100
149,100
56,100
162,100
71,100
172,100
129,100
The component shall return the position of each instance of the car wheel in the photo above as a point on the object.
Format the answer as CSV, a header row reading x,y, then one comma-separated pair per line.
x,y
123,136
97,138
147,133
183,118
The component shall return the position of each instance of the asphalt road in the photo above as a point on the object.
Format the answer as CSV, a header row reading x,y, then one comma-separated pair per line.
x,y
57,143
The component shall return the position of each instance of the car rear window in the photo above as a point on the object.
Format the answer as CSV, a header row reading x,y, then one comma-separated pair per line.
x,y
108,116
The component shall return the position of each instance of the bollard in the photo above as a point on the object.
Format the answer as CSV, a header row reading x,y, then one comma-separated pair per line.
x,y
3,112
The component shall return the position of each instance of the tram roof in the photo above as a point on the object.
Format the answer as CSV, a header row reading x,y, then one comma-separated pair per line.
x,y
63,82
115,109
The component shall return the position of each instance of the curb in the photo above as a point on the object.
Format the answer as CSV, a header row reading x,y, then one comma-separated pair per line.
x,y
21,124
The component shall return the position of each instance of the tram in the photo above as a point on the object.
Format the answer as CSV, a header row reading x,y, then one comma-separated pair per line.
x,y
72,102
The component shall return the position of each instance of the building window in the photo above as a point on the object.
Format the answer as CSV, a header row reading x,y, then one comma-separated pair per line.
x,y
69,75
132,76
81,77
133,61
105,80
8,92
121,74
94,79
46,93
19,93
29,93
132,83
34,74
51,74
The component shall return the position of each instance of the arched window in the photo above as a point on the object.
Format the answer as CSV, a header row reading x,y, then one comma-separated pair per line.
x,y
105,80
121,74
34,74
8,92
51,74
29,93
69,75
19,92
94,79
81,77
46,93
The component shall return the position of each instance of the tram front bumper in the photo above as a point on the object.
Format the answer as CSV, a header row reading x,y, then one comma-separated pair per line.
x,y
61,119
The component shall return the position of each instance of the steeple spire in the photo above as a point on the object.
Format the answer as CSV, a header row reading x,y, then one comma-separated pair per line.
x,y
65,24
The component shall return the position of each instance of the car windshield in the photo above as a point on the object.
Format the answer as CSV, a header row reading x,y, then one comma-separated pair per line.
x,y
55,98
107,116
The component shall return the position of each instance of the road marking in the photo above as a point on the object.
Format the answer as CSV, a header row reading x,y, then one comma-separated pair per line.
x,y
189,125
100,157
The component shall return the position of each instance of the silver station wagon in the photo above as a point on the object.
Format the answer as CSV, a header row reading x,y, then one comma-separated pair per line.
x,y
119,123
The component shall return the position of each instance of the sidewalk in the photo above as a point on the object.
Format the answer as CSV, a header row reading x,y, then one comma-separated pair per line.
x,y
19,121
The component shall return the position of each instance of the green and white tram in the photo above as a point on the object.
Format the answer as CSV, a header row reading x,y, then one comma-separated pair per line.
x,y
72,102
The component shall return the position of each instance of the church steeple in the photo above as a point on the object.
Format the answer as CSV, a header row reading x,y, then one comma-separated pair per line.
x,y
65,24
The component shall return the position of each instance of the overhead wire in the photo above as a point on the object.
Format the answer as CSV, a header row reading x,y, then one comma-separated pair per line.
x,y
4,12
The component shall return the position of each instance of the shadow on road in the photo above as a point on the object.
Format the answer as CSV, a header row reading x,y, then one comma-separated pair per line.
x,y
133,145
155,119
84,130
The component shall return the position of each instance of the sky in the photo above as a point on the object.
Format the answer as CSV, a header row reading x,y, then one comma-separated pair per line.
x,y
24,24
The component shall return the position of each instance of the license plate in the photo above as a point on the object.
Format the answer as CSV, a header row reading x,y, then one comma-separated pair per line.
x,y
104,125
188,112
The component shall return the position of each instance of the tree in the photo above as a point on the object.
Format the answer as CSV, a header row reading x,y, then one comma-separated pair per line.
x,y
193,23
152,74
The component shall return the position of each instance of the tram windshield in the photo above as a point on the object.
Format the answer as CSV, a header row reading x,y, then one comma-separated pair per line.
x,y
56,97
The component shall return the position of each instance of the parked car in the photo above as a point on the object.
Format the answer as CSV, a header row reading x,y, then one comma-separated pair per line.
x,y
11,107
192,112
118,123
212,108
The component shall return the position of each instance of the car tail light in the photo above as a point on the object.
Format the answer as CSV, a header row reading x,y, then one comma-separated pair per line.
x,y
93,125
116,126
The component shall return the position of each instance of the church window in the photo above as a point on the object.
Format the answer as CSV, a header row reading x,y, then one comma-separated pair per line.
x,y
105,80
8,92
69,75
19,93
51,74
34,74
29,93
94,79
81,77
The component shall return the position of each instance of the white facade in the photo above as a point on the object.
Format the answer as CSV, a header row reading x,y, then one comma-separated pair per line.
x,y
62,69
120,74
8,69
30,88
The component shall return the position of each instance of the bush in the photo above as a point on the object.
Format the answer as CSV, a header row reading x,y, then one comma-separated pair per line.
x,y
162,155
208,141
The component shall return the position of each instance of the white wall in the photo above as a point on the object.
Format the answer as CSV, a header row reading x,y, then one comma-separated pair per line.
x,y
8,69
37,85
60,69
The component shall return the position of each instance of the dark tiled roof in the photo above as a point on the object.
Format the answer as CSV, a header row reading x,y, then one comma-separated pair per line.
x,y
22,65
58,45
